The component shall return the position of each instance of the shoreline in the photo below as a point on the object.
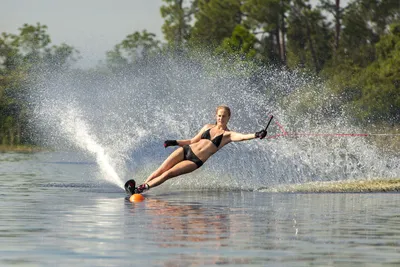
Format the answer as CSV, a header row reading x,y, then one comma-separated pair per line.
x,y
368,185
21,149
345,186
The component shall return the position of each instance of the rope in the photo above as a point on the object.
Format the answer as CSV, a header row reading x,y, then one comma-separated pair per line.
x,y
286,134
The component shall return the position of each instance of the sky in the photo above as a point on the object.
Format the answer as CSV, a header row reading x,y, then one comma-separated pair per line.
x,y
91,26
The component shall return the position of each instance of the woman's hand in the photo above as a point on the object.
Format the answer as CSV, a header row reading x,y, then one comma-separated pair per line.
x,y
168,143
261,134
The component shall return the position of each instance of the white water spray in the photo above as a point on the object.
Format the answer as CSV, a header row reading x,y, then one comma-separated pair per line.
x,y
122,120
78,133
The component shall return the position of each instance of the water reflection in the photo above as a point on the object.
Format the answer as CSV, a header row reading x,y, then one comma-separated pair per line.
x,y
188,223
190,231
287,228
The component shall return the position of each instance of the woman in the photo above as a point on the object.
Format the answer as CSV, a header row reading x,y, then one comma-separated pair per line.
x,y
194,152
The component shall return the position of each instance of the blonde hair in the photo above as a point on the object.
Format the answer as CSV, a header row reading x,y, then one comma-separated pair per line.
x,y
225,108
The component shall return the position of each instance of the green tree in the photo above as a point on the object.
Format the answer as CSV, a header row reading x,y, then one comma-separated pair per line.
x,y
380,81
357,37
32,41
308,36
268,19
134,49
241,43
60,57
364,21
333,7
215,21
10,56
177,18
22,57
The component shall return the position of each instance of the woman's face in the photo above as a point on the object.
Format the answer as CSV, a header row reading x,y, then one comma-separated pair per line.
x,y
222,116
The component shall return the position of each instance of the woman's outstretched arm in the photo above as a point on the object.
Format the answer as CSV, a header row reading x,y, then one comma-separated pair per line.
x,y
238,137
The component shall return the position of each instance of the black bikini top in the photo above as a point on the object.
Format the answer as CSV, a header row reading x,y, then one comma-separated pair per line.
x,y
216,141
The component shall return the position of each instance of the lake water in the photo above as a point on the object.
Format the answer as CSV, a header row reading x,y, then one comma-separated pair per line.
x,y
54,212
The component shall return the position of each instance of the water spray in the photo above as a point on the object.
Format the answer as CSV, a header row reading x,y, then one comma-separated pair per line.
x,y
122,121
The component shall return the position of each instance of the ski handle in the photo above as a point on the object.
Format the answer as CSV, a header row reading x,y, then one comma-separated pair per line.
x,y
270,119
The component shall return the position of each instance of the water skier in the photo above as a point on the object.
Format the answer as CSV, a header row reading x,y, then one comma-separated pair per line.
x,y
194,152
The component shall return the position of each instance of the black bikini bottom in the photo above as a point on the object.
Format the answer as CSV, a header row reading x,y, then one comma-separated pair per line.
x,y
189,155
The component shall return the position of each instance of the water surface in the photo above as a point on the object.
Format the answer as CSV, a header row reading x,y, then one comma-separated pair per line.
x,y
56,212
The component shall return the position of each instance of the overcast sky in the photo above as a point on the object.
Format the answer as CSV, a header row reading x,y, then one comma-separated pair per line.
x,y
91,26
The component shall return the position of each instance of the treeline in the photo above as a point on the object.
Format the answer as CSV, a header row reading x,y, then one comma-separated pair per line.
x,y
354,48
23,58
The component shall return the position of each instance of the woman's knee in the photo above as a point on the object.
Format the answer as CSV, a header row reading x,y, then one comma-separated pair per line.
x,y
167,175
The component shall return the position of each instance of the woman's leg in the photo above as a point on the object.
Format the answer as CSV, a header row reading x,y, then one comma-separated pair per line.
x,y
172,160
180,168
